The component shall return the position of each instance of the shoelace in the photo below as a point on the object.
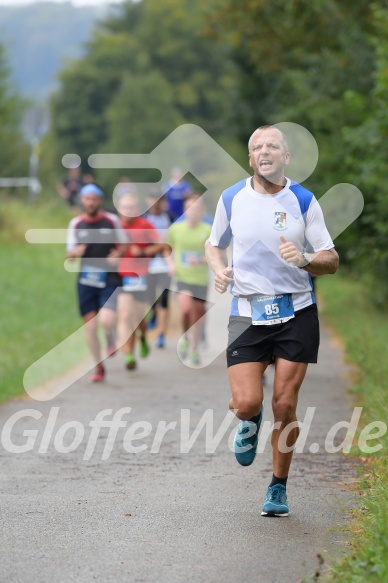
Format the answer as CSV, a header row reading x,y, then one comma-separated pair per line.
x,y
246,428
277,495
248,440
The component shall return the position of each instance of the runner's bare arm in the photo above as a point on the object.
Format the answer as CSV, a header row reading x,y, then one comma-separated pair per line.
x,y
76,251
322,263
155,249
217,261
119,251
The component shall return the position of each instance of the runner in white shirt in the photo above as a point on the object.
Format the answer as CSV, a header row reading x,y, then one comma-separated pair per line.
x,y
279,238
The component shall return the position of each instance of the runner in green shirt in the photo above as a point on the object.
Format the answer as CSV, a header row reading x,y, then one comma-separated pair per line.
x,y
188,264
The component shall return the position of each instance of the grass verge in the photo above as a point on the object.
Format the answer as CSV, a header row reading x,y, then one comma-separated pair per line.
x,y
349,307
38,302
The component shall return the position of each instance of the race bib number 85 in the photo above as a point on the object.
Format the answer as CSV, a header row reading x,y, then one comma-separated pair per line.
x,y
268,310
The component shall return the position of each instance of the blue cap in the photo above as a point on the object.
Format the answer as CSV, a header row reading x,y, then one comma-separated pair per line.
x,y
91,189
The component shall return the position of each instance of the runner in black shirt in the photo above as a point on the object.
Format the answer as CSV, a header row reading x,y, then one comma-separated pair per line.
x,y
98,239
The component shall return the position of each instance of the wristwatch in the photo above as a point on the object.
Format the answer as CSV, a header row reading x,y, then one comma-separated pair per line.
x,y
307,259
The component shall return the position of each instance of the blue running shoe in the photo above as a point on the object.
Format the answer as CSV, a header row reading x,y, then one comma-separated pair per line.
x,y
276,501
160,342
246,439
151,320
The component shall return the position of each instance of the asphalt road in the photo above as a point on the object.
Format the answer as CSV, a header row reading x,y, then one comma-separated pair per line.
x,y
166,514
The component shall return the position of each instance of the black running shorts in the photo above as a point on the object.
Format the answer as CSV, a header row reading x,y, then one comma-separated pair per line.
x,y
92,299
296,340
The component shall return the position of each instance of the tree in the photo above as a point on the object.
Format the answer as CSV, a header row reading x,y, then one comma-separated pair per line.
x,y
87,88
323,65
134,128
297,60
13,150
154,41
366,161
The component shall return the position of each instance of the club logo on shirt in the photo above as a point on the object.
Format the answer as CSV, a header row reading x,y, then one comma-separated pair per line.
x,y
280,221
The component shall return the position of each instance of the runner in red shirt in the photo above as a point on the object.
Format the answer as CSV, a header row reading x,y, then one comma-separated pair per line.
x,y
134,301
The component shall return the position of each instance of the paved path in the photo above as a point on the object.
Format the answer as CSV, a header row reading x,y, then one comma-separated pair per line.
x,y
168,516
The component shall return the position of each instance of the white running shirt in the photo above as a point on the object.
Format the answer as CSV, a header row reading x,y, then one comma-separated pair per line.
x,y
254,222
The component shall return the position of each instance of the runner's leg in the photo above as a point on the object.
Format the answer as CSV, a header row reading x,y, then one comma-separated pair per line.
x,y
127,322
247,388
197,311
288,380
91,330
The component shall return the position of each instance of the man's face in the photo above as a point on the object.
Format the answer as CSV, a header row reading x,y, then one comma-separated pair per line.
x,y
74,173
155,205
194,210
91,203
268,156
128,208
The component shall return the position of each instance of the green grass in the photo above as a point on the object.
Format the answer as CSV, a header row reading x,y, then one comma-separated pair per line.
x,y
349,307
38,301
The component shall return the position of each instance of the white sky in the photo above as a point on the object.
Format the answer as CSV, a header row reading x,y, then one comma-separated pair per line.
x,y
75,2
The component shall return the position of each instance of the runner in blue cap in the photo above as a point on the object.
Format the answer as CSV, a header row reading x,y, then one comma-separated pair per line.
x,y
98,239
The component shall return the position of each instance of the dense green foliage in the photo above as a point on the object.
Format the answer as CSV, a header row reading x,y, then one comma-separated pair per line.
x,y
322,65
367,146
146,71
